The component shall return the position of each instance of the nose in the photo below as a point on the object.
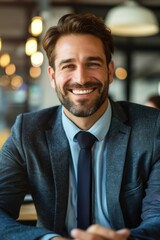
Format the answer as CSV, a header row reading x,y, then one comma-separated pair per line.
x,y
80,75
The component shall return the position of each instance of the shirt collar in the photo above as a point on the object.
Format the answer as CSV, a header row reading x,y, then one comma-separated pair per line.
x,y
99,129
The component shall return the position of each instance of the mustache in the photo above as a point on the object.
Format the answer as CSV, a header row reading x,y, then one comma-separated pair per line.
x,y
85,85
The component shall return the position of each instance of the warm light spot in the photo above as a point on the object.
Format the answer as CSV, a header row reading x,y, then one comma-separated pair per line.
x,y
31,46
4,81
36,26
37,59
10,69
4,60
35,72
16,82
121,73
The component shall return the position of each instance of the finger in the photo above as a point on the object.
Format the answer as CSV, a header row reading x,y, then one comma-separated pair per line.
x,y
124,232
101,231
107,233
81,235
77,233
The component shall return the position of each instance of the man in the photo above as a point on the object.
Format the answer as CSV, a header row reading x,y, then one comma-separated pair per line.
x,y
41,155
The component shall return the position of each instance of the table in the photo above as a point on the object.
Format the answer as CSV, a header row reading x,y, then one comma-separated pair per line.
x,y
27,212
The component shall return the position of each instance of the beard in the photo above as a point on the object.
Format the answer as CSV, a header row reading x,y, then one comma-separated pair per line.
x,y
82,108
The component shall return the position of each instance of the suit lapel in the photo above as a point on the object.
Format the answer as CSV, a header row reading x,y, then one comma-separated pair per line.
x,y
117,146
59,154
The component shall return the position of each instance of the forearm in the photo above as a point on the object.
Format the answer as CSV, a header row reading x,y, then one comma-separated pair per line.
x,y
148,229
11,229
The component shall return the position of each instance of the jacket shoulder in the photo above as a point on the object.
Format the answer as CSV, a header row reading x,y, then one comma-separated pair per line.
x,y
135,111
136,115
38,121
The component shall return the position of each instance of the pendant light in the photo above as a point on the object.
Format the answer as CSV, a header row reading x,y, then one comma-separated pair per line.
x,y
132,20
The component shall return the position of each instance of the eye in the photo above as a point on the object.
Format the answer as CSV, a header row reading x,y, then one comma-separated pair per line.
x,y
68,66
93,64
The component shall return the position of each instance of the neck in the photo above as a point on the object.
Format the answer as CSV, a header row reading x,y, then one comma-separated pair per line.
x,y
86,123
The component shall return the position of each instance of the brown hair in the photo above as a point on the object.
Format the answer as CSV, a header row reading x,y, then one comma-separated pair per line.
x,y
78,24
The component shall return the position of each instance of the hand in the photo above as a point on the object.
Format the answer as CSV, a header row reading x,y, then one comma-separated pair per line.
x,y
97,232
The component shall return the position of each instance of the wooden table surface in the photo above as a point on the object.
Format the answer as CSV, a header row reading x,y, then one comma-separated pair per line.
x,y
28,212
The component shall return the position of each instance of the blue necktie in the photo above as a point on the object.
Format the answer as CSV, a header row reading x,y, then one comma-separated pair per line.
x,y
84,186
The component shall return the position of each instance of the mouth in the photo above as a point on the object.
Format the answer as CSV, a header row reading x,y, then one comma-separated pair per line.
x,y
82,91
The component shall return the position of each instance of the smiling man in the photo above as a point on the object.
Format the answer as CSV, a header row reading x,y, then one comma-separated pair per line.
x,y
41,156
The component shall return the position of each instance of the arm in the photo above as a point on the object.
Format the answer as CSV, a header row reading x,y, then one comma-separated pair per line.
x,y
150,225
13,187
11,229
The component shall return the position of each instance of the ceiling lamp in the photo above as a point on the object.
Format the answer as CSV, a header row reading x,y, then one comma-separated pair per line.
x,y
36,26
132,20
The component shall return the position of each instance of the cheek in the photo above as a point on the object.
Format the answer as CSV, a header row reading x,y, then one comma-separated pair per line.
x,y
60,81
62,78
101,76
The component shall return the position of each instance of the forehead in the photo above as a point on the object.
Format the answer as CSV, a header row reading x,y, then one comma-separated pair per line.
x,y
82,44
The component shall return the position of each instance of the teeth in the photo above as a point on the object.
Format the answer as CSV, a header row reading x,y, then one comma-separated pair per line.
x,y
82,91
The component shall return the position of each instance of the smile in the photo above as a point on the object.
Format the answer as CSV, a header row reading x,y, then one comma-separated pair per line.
x,y
82,92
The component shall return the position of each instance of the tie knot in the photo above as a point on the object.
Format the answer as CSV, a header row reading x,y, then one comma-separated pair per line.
x,y
85,139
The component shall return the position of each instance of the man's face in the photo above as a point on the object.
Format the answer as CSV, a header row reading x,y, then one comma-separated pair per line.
x,y
81,76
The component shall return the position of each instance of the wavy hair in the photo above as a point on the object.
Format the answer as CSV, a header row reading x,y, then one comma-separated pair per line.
x,y
72,23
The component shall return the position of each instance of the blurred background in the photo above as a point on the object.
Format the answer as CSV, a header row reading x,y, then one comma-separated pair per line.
x,y
24,83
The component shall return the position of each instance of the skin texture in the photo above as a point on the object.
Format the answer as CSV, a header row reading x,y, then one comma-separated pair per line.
x,y
81,79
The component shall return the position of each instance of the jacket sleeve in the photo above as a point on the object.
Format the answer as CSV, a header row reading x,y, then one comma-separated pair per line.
x,y
13,187
11,229
149,229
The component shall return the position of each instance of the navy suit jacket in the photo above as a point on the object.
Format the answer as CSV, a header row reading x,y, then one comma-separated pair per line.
x,y
36,157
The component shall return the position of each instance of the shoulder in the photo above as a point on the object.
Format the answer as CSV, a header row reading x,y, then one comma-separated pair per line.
x,y
41,119
43,113
130,107
133,112
134,108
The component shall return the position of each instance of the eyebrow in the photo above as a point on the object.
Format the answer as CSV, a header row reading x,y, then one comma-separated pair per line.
x,y
99,59
66,61
90,59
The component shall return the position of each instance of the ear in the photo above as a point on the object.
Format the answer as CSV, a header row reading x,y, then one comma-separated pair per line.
x,y
51,76
111,71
